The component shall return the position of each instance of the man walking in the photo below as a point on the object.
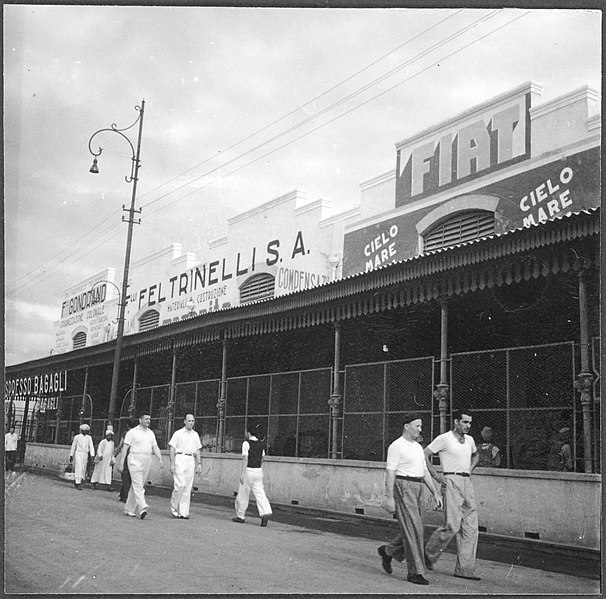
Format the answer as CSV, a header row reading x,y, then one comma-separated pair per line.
x,y
139,444
82,447
184,447
406,474
104,461
122,467
11,440
251,478
458,458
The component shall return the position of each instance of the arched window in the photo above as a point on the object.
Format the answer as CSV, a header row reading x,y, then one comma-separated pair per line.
x,y
79,340
149,320
257,287
463,226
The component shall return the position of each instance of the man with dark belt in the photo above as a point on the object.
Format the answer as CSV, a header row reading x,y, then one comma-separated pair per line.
x,y
406,476
184,448
458,457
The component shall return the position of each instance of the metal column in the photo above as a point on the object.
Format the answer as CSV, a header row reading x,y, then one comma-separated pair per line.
x,y
442,393
222,398
335,397
584,382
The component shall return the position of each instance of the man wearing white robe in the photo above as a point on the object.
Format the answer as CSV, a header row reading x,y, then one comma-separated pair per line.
x,y
184,447
104,461
82,447
142,443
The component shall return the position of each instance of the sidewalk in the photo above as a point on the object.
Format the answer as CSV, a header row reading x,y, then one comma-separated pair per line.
x,y
60,540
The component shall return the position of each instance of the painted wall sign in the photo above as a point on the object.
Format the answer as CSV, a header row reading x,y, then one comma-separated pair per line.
x,y
84,300
37,385
282,240
484,143
530,198
207,282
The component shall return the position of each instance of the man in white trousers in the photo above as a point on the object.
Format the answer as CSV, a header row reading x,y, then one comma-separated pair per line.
x,y
142,443
82,447
251,478
184,447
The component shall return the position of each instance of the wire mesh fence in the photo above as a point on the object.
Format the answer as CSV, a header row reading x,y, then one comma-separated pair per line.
x,y
375,397
526,395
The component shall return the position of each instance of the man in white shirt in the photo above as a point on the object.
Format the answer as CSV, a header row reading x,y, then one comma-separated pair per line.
x,y
184,447
11,440
82,447
140,442
405,479
458,457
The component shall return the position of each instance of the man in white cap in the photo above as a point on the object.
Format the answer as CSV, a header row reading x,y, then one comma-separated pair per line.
x,y
104,460
82,447
184,447
140,442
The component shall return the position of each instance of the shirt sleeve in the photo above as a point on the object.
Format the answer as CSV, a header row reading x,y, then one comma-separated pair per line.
x,y
198,442
173,440
245,447
392,458
437,444
474,449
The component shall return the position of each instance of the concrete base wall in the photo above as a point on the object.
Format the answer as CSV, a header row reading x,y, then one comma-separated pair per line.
x,y
561,508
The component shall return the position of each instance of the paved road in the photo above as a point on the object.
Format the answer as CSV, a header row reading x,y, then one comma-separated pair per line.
x,y
60,540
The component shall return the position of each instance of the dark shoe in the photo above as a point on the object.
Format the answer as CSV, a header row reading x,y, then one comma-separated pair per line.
x,y
467,577
183,517
143,514
94,486
417,579
385,559
110,488
238,520
79,487
428,564
264,520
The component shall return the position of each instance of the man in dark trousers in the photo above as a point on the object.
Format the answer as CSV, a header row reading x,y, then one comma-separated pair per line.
x,y
251,478
406,477
125,474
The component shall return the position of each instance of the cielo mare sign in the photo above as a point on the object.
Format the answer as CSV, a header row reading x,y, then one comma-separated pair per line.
x,y
485,139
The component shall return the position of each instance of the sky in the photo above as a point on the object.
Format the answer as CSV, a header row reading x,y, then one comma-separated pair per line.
x,y
242,105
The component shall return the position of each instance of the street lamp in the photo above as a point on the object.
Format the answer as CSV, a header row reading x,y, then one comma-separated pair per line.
x,y
111,283
133,178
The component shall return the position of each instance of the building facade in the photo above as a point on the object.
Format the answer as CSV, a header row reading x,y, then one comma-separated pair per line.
x,y
467,277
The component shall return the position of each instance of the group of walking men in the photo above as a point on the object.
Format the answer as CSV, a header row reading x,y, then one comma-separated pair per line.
x,y
409,467
137,448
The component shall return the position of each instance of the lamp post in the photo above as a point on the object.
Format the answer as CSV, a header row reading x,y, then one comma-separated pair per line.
x,y
133,178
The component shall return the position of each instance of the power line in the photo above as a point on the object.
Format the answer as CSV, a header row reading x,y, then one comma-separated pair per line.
x,y
81,254
328,108
58,261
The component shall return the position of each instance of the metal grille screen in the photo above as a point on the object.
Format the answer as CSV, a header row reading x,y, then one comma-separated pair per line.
x,y
458,229
80,341
149,320
257,287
